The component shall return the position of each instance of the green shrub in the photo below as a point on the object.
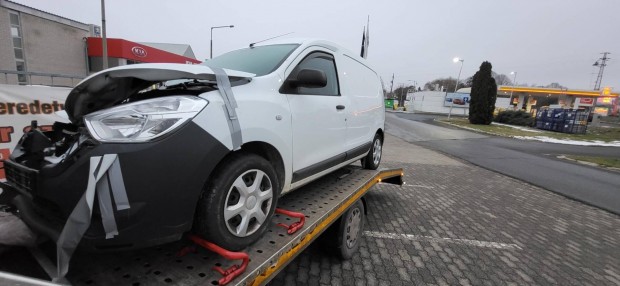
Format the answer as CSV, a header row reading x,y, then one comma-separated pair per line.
x,y
511,117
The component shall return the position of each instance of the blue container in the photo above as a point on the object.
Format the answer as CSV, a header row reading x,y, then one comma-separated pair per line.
x,y
562,120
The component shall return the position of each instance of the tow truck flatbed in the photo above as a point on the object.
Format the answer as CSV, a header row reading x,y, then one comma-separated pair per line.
x,y
322,202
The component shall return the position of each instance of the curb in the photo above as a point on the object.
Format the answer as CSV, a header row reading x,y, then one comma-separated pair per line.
x,y
593,144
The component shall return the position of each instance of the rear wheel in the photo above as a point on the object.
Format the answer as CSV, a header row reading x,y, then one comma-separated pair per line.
x,y
373,158
238,202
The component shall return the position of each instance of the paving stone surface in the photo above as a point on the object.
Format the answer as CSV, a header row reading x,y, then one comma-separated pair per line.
x,y
453,223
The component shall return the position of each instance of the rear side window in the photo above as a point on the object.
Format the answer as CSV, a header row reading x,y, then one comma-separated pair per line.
x,y
260,60
323,62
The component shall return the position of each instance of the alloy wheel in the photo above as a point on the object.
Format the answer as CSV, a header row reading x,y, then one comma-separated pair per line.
x,y
248,203
376,151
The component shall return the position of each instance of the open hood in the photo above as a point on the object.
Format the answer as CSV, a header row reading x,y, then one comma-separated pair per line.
x,y
109,87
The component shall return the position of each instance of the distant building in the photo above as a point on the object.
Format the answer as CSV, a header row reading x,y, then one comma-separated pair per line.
x,y
47,49
124,52
41,42
529,99
179,49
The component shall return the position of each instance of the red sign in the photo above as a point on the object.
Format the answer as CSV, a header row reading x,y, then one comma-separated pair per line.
x,y
119,48
586,101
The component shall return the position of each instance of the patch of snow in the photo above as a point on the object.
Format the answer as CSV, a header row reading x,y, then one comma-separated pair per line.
x,y
518,127
570,142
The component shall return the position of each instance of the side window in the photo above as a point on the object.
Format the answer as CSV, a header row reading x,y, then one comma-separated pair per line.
x,y
323,62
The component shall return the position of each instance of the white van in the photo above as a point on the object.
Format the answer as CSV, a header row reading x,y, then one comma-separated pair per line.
x,y
207,148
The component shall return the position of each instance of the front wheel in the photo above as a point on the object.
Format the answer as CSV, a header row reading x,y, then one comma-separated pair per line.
x,y
373,158
238,202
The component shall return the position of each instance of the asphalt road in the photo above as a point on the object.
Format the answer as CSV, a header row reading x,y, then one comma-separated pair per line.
x,y
532,162
530,147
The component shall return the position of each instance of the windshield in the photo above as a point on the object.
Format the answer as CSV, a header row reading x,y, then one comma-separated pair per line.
x,y
258,60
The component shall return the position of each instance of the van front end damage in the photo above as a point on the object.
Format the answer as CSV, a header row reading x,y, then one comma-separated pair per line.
x,y
131,155
162,179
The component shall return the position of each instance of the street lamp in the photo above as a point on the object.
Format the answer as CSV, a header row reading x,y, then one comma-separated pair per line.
x,y
514,82
217,27
455,60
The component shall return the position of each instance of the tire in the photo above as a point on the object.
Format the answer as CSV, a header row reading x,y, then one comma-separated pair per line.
x,y
234,210
351,227
373,158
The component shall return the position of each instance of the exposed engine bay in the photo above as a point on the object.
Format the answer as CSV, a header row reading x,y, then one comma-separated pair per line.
x,y
38,148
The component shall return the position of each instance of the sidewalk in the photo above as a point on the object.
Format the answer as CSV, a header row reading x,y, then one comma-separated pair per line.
x,y
455,223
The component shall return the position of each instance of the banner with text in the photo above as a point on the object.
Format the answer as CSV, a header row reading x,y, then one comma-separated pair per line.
x,y
19,105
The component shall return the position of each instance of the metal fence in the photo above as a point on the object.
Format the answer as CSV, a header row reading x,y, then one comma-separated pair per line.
x,y
39,78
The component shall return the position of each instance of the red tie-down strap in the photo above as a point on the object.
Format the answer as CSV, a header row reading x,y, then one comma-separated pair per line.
x,y
230,273
294,227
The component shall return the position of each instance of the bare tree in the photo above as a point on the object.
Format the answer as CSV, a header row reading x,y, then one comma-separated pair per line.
x,y
555,85
502,79
447,83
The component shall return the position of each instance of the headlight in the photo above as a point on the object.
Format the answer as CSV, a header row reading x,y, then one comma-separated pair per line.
x,y
144,120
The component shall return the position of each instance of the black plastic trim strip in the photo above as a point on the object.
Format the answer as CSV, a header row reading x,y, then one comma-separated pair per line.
x,y
318,167
331,162
358,151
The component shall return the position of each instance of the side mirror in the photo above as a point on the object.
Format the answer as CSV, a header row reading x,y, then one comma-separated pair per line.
x,y
309,78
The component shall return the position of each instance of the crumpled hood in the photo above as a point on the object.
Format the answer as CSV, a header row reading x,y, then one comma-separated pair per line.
x,y
109,87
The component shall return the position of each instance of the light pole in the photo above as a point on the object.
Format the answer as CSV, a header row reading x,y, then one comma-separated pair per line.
x,y
455,60
217,27
104,40
514,82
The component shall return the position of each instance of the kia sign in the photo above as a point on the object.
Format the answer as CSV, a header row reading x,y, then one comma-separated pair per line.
x,y
123,49
138,51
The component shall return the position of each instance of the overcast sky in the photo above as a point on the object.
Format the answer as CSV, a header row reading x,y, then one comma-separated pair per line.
x,y
545,41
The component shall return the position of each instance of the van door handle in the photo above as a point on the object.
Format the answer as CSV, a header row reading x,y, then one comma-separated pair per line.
x,y
340,107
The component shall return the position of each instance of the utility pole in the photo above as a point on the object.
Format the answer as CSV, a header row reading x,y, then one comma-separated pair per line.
x,y
104,40
456,60
601,63
392,86
401,100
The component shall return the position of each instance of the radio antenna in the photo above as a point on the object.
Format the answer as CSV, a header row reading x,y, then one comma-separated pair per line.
x,y
252,44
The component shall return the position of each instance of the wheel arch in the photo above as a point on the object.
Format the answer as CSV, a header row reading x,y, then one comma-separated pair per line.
x,y
269,153
262,149
380,132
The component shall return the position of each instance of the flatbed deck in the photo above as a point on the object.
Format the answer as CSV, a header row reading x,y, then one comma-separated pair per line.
x,y
322,202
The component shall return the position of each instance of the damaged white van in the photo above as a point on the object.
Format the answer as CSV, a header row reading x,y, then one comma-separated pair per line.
x,y
156,150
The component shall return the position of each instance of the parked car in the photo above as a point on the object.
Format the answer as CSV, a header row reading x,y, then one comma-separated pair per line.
x,y
205,148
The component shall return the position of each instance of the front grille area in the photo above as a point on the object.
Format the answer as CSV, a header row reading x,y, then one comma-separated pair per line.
x,y
21,177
